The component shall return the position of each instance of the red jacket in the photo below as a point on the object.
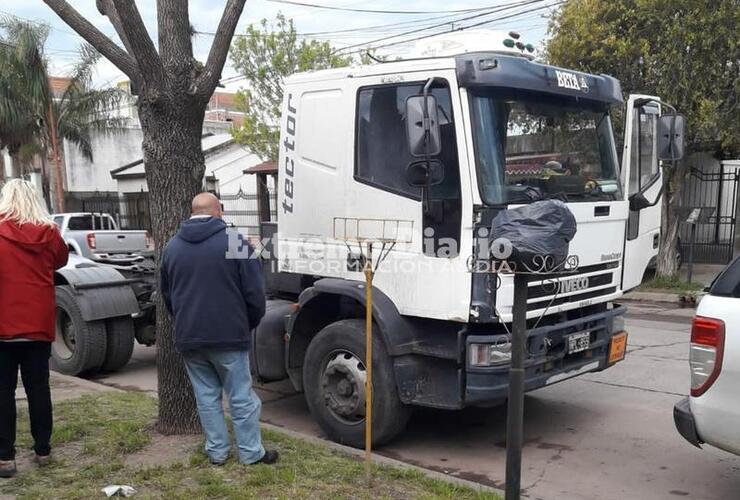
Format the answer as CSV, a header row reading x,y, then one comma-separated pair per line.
x,y
29,254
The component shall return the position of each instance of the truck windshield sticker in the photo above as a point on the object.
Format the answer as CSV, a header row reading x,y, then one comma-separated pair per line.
x,y
571,81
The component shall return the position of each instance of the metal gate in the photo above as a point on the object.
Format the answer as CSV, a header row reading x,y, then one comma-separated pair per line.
x,y
242,210
715,237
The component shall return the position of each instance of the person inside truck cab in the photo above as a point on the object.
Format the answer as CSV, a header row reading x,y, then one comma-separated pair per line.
x,y
31,249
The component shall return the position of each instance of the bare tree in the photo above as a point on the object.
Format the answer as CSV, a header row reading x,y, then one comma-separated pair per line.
x,y
173,90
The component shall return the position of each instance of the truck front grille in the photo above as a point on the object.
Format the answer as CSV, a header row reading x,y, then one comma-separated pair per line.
x,y
589,283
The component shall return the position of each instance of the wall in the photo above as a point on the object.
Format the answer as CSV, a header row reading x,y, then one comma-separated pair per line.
x,y
111,149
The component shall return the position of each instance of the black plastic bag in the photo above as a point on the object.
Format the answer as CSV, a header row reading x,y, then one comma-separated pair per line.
x,y
539,233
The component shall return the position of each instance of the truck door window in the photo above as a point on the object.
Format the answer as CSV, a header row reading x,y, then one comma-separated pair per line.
x,y
644,159
382,155
382,149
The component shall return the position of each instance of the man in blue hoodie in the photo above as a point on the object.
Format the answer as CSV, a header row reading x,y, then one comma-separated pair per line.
x,y
216,300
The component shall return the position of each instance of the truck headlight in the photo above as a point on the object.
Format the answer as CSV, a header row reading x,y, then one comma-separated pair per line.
x,y
498,353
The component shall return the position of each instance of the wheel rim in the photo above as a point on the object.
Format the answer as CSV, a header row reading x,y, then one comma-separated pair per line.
x,y
343,386
65,342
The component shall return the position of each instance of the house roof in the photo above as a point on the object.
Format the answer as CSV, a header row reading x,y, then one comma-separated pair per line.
x,y
212,145
268,167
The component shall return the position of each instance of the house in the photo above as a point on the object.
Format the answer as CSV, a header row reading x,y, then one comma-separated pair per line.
x,y
225,161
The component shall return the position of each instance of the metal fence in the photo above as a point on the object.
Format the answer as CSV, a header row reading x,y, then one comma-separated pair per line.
x,y
715,237
131,210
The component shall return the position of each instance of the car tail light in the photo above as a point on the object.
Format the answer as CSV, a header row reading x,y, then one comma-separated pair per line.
x,y
149,241
91,241
705,353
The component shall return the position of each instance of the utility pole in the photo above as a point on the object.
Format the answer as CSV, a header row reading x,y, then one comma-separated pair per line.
x,y
58,177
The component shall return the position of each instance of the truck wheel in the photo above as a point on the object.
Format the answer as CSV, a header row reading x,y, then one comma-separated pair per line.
x,y
120,343
334,382
80,345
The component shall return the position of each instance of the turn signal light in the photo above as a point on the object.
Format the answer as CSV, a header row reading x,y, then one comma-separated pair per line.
x,y
149,241
91,241
705,353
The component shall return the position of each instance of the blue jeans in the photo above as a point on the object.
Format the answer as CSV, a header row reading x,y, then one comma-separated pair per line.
x,y
213,372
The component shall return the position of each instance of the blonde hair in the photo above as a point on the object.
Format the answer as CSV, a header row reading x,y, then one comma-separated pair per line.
x,y
20,203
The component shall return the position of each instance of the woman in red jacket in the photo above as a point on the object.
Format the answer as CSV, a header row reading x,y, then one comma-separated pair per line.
x,y
31,248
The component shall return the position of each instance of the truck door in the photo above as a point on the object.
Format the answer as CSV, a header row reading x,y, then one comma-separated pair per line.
x,y
643,178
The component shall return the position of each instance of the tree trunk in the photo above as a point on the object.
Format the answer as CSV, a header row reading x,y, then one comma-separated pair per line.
x,y
670,222
174,165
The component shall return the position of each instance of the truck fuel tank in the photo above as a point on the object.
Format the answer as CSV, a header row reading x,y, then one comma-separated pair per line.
x,y
267,356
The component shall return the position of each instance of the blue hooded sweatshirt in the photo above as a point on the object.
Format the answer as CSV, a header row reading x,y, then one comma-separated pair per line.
x,y
215,300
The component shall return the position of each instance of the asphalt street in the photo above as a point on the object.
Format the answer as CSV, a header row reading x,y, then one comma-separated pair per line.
x,y
607,435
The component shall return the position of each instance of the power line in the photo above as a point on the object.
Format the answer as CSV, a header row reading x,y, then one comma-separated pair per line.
x,y
374,11
488,21
411,32
350,30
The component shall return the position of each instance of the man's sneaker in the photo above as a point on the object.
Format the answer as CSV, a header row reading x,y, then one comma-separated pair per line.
x,y
269,458
218,463
42,460
7,468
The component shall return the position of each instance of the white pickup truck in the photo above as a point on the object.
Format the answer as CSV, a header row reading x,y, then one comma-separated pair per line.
x,y
98,238
711,414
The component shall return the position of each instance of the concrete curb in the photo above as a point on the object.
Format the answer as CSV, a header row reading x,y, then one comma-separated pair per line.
x,y
667,297
84,383
383,460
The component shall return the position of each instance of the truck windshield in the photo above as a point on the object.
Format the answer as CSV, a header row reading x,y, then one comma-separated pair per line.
x,y
530,147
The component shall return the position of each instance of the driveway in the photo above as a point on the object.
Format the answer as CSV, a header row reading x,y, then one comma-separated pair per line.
x,y
607,435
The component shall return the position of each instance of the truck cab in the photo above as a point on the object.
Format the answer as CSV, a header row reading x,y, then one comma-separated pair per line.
x,y
505,131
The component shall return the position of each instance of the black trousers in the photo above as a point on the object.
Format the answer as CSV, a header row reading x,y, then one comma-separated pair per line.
x,y
33,360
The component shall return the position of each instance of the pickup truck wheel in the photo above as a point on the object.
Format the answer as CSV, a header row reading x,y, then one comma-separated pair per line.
x,y
120,343
80,345
334,382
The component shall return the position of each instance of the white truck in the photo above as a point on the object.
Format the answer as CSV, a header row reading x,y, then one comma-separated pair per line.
x,y
420,155
425,152
97,237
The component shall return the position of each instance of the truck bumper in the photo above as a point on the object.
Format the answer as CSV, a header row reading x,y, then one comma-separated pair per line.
x,y
547,360
685,423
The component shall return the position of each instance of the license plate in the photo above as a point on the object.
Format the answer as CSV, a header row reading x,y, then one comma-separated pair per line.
x,y
579,342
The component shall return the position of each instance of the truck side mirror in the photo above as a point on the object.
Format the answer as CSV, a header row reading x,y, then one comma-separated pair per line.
x,y
638,202
425,173
422,126
670,137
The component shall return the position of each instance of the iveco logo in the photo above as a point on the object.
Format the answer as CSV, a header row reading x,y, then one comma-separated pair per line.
x,y
573,285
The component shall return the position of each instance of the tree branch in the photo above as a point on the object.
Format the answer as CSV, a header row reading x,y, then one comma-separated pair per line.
x,y
131,28
115,54
175,36
207,81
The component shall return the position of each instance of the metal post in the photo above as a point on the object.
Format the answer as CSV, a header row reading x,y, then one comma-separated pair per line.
x,y
368,358
515,410
692,241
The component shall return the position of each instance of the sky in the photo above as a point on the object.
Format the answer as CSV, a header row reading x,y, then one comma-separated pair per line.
x,y
358,27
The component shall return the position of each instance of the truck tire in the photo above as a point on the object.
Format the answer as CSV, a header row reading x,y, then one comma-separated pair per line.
x,y
80,345
334,378
120,343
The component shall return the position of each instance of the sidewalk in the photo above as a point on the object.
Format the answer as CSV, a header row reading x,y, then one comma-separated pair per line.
x,y
702,274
